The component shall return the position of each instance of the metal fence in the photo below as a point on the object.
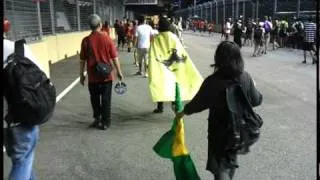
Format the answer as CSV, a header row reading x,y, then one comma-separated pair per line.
x,y
33,19
219,10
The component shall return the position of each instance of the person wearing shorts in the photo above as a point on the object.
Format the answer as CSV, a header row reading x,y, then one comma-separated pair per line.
x,y
143,34
309,40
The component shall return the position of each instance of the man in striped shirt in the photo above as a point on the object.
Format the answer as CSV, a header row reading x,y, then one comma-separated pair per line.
x,y
309,40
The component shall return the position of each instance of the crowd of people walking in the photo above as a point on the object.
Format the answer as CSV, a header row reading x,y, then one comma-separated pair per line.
x,y
262,33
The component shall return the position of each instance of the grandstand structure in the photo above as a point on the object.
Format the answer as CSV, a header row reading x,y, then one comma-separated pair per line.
x,y
33,19
218,10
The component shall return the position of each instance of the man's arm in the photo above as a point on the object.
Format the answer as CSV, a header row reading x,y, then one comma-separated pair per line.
x,y
83,60
135,39
82,76
116,64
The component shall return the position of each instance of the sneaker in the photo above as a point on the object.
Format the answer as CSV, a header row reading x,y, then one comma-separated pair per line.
x,y
138,73
103,127
158,111
95,124
304,62
146,75
314,60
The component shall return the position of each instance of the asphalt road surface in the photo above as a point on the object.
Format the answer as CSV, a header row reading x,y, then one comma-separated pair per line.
x,y
68,150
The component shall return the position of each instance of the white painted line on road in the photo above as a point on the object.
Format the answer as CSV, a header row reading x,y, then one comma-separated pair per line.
x,y
65,91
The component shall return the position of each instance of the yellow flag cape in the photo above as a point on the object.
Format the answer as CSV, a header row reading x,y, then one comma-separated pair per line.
x,y
162,78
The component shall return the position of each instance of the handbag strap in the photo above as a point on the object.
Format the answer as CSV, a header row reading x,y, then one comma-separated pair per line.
x,y
89,49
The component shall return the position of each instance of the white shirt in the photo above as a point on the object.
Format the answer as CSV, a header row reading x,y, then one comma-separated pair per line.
x,y
143,33
228,27
8,49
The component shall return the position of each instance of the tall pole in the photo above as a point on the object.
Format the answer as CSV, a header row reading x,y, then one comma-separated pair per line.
x,y
275,4
78,14
39,20
194,6
224,9
94,7
232,10
253,11
217,12
211,12
244,9
110,13
257,9
298,8
53,29
237,9
14,35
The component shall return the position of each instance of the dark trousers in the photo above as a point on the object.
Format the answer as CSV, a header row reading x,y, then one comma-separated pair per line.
x,y
100,96
160,105
226,174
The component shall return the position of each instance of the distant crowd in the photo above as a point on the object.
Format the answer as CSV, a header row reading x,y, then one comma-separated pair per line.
x,y
260,33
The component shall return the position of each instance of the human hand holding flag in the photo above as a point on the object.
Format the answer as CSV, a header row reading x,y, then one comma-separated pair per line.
x,y
172,146
179,115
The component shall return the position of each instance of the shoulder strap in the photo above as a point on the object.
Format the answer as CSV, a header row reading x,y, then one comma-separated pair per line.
x,y
19,47
89,49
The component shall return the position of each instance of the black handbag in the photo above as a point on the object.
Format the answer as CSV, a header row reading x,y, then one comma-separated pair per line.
x,y
101,69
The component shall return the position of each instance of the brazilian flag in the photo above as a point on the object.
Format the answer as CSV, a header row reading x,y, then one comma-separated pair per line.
x,y
172,146
170,63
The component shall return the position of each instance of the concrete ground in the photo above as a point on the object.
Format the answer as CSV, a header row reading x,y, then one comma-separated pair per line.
x,y
68,150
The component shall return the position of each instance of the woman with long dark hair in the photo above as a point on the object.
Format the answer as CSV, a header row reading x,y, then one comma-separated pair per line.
x,y
228,69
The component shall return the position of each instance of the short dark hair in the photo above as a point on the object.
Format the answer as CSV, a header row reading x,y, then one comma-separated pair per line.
x,y
228,57
106,23
141,19
164,24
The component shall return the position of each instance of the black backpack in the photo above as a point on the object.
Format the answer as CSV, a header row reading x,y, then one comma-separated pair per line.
x,y
299,27
30,95
257,33
243,123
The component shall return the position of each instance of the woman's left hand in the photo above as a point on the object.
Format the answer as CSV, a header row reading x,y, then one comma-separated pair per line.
x,y
179,115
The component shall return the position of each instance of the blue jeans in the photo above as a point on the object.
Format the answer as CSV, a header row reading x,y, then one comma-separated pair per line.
x,y
20,146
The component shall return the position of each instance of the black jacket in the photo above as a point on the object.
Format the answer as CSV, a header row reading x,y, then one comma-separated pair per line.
x,y
212,96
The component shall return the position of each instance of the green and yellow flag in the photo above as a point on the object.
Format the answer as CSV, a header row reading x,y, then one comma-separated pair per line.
x,y
172,146
170,63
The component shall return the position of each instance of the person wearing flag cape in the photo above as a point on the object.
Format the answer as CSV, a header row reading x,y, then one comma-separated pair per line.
x,y
174,78
169,63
